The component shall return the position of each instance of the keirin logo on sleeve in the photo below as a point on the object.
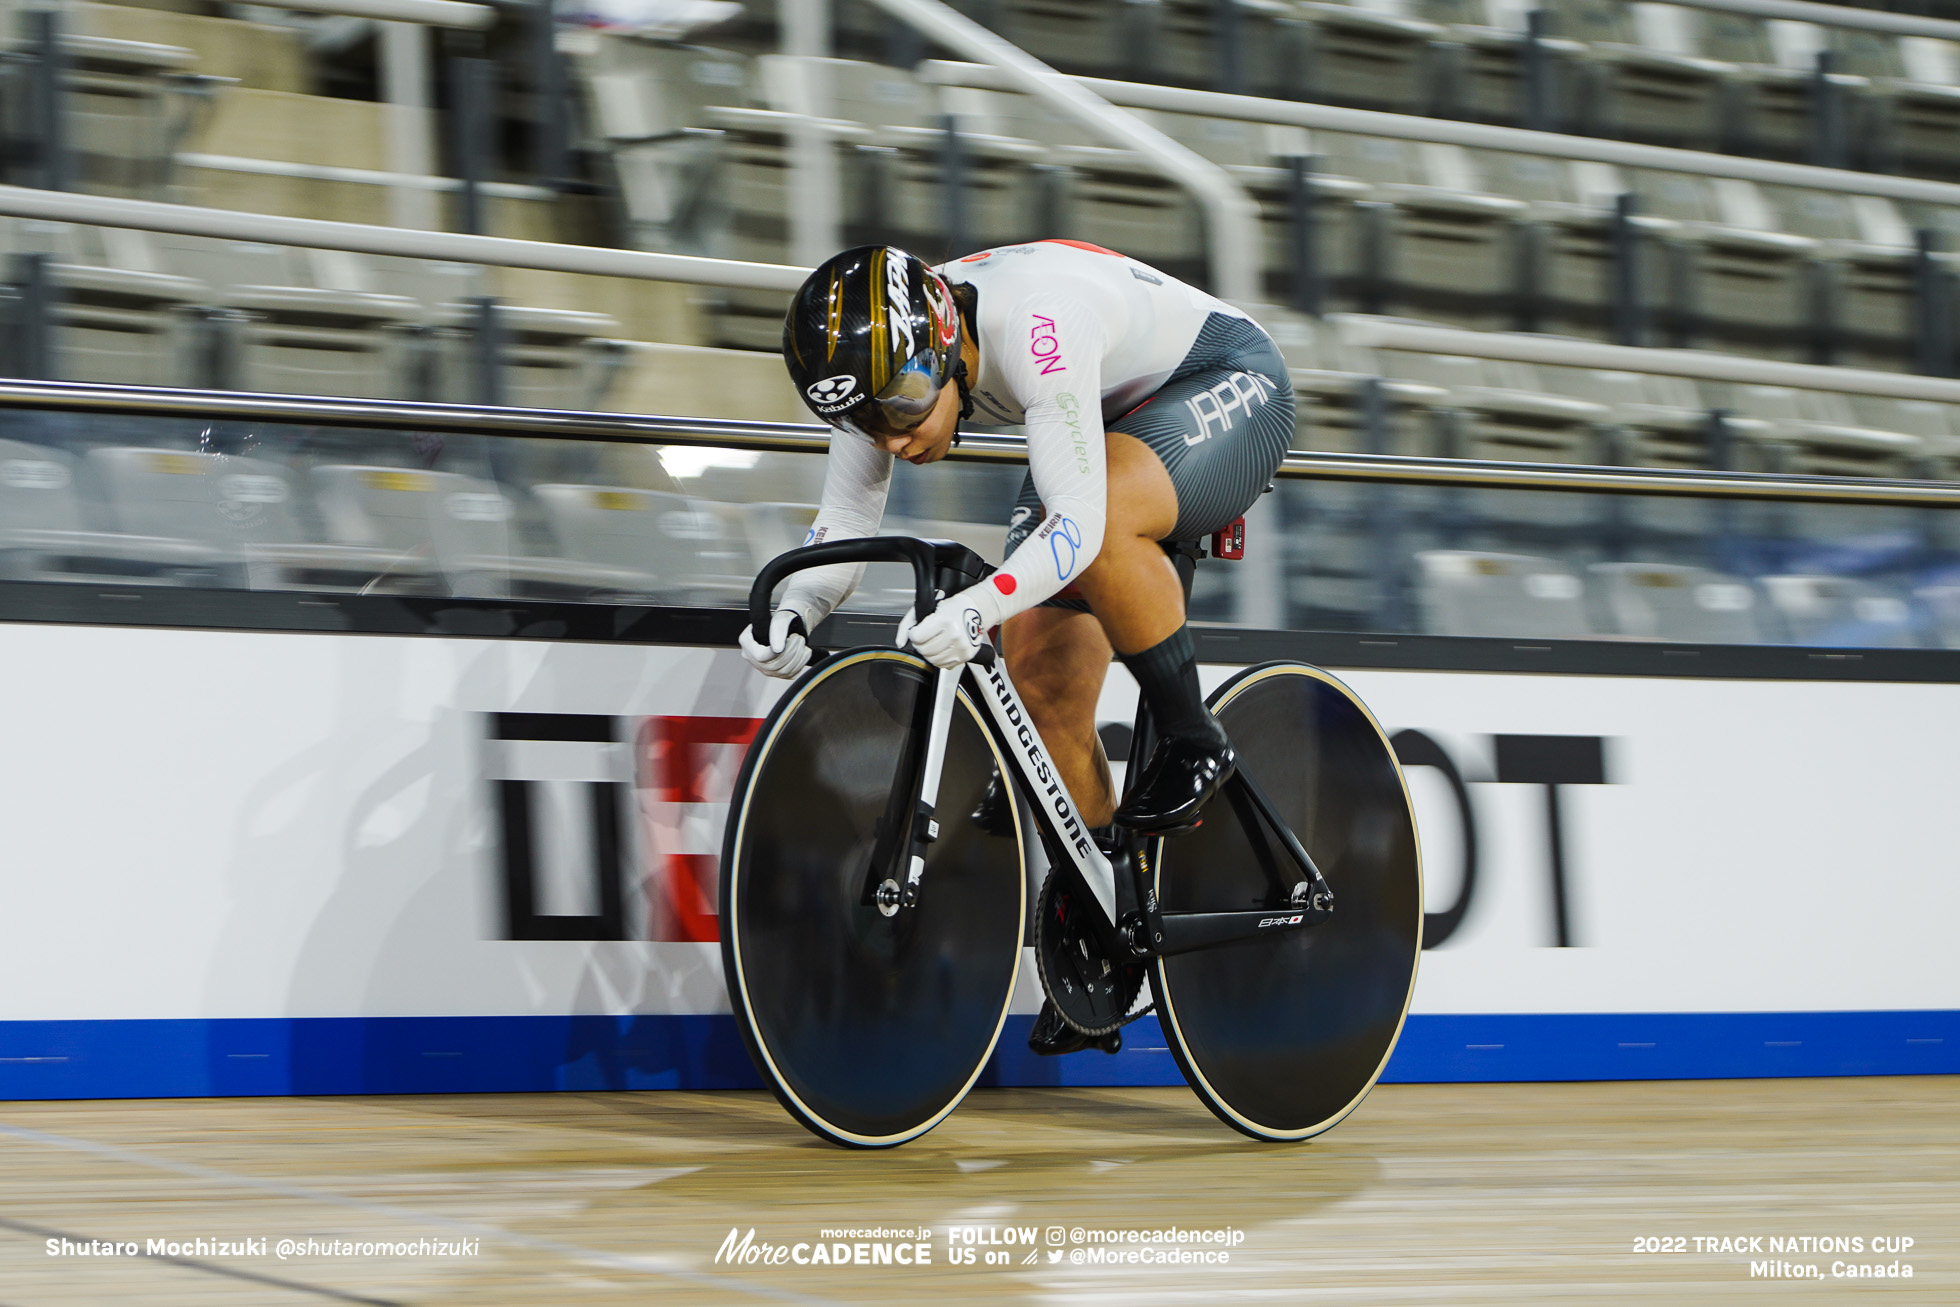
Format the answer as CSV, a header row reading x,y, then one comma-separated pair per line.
x,y
1212,409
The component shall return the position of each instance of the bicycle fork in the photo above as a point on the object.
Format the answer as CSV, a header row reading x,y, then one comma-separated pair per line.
x,y
890,893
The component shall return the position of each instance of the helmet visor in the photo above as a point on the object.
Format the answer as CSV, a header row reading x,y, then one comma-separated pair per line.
x,y
906,400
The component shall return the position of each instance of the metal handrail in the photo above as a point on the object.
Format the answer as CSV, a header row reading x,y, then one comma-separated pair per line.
x,y
1803,11
792,437
1476,136
1367,332
400,242
425,13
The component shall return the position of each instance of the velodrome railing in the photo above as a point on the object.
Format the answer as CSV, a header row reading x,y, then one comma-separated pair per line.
x,y
126,504
221,406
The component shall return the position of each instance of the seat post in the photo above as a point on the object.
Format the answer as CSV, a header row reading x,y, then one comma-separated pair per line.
x,y
1184,555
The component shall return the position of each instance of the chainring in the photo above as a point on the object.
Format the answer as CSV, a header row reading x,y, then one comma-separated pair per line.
x,y
1093,992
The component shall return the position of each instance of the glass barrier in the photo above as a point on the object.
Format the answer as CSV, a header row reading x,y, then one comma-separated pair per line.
x,y
127,499
1543,564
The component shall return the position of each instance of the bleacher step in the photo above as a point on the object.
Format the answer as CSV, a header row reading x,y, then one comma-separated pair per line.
x,y
258,56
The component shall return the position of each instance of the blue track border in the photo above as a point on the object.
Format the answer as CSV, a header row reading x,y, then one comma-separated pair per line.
x,y
533,1054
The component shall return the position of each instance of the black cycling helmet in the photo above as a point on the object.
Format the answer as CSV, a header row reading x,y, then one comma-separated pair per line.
x,y
871,339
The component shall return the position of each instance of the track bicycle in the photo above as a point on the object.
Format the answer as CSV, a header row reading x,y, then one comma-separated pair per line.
x,y
874,909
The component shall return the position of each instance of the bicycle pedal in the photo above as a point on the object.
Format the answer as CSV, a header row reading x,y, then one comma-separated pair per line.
x,y
1111,1043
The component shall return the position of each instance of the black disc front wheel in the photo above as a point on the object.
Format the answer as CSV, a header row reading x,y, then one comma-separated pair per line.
x,y
869,1028
1282,1035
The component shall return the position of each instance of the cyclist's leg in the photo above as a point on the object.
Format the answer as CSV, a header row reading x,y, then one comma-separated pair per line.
x,y
1219,426
1058,654
1132,586
1058,659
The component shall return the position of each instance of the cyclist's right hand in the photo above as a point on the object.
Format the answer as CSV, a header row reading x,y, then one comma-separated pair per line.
x,y
787,652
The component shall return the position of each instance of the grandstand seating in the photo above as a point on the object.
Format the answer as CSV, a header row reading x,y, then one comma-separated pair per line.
x,y
1656,601
48,533
243,511
1943,605
1836,610
1464,592
695,136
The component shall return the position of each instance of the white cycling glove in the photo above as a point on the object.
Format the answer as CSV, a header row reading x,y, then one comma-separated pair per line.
x,y
951,635
787,652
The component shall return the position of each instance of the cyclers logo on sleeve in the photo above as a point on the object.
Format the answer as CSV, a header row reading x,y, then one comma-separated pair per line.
x,y
1071,410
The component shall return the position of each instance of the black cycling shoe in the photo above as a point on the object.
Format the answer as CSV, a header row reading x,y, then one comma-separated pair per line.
x,y
1052,1036
1180,778
994,814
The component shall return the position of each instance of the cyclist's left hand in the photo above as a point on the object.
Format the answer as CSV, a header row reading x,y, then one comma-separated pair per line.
x,y
951,634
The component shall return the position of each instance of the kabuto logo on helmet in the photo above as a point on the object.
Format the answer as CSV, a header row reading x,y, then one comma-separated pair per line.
x,y
833,394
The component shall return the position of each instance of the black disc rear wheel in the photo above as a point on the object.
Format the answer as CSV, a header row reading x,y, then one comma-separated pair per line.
x,y
1281,1036
870,1029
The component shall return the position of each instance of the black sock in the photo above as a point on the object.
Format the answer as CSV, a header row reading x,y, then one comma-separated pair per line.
x,y
1167,675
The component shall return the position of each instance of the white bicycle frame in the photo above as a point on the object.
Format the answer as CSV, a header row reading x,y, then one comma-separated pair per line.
x,y
1061,824
1022,747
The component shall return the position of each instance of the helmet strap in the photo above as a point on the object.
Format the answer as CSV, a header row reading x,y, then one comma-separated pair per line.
x,y
966,394
966,299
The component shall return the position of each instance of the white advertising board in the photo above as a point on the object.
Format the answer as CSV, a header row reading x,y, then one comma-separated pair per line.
x,y
211,829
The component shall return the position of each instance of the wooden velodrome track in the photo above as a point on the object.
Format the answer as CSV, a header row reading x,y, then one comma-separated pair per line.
x,y
1429,1193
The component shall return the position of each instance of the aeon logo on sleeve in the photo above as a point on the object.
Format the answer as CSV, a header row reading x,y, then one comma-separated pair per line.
x,y
1045,346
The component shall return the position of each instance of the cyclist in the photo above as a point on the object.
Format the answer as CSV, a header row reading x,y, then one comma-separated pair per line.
x,y
1154,413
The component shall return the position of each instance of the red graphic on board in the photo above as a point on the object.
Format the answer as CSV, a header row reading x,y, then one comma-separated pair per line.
x,y
685,765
